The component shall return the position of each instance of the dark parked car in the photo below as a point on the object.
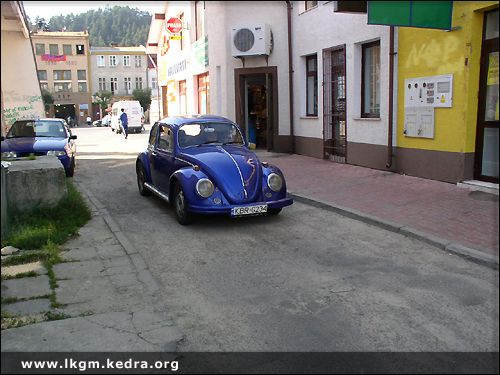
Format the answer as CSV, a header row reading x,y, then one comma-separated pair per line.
x,y
203,166
49,136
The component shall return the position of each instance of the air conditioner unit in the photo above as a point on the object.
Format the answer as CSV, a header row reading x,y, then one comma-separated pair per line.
x,y
251,40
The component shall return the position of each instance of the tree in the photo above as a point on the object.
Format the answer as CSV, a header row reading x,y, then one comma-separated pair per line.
x,y
47,99
102,99
143,96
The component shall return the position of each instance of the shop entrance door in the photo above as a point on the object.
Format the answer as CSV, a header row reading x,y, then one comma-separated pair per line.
x,y
487,136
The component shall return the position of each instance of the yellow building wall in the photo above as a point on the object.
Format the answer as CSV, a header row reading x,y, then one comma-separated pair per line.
x,y
425,52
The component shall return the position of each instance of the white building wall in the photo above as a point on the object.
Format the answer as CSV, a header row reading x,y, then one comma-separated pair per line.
x,y
221,17
320,28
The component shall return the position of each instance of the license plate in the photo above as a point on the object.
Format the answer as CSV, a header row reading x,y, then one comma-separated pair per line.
x,y
249,210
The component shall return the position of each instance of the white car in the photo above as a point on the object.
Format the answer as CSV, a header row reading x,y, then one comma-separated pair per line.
x,y
134,113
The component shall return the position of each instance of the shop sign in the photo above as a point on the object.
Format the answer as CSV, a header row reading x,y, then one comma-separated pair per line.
x,y
48,57
174,25
199,54
176,68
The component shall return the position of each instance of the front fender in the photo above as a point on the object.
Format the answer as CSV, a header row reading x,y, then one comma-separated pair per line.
x,y
144,160
266,171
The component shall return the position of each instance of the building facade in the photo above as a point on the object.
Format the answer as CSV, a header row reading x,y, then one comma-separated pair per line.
x,y
464,134
63,61
20,89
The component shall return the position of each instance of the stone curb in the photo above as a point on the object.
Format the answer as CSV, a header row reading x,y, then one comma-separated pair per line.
x,y
475,255
143,273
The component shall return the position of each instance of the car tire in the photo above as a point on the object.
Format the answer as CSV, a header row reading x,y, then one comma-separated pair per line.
x,y
274,211
71,171
180,206
141,179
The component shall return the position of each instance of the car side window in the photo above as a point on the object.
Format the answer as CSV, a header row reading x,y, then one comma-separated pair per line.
x,y
152,135
166,140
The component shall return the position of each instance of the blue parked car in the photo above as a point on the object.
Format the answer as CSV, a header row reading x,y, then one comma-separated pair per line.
x,y
203,166
49,136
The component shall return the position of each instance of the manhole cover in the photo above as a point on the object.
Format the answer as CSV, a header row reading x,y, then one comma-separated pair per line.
x,y
482,196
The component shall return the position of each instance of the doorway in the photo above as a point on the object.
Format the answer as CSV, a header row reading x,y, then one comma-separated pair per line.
x,y
255,103
334,104
64,111
487,134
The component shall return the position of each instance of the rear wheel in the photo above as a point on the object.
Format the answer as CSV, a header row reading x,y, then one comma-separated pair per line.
x,y
180,206
141,179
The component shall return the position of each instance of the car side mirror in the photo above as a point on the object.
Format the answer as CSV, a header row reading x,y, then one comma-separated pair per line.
x,y
72,137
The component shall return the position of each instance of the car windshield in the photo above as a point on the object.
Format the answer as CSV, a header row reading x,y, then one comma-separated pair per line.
x,y
195,134
37,129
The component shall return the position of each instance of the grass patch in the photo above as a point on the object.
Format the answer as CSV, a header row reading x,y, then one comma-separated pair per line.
x,y
49,315
7,300
33,230
20,275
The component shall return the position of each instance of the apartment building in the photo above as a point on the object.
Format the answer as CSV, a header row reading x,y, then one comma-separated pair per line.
x,y
63,61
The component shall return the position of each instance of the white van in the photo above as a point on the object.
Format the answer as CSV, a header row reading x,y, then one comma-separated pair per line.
x,y
134,113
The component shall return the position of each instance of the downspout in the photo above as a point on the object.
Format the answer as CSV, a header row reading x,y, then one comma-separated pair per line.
x,y
391,94
290,75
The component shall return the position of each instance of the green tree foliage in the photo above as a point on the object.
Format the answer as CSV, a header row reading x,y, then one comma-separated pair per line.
x,y
118,24
47,99
143,96
102,99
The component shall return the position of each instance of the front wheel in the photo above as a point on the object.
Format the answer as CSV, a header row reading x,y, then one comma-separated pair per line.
x,y
141,179
71,170
180,206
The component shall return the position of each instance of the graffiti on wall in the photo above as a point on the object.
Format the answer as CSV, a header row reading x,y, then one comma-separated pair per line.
x,y
19,107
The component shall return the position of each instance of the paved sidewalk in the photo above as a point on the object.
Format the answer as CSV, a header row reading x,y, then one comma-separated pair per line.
x,y
453,218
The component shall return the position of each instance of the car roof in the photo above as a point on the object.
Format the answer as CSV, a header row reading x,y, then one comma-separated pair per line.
x,y
177,121
41,119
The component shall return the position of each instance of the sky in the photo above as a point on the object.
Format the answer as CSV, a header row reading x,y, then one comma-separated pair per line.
x,y
47,9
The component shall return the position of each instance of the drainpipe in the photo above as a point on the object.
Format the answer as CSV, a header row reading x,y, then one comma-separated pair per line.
x,y
391,94
290,75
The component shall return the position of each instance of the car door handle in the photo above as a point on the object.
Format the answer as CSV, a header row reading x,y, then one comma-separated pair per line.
x,y
153,153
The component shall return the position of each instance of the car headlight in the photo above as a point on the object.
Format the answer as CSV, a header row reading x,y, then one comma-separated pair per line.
x,y
275,182
9,154
56,153
205,187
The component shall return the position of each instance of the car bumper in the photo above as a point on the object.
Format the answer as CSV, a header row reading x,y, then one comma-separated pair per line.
x,y
226,210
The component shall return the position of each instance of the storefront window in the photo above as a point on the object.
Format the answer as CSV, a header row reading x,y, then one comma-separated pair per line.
x,y
182,98
203,94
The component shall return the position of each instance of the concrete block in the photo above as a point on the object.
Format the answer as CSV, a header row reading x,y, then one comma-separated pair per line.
x,y
26,288
31,307
22,268
35,183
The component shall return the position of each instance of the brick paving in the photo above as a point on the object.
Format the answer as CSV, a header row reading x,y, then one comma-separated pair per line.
x,y
437,208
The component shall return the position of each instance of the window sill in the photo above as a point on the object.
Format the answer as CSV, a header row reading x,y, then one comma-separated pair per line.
x,y
309,117
367,119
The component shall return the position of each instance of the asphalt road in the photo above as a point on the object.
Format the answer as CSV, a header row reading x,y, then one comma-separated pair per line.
x,y
306,280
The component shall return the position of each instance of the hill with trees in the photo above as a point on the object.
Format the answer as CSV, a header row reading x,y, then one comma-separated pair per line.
x,y
118,24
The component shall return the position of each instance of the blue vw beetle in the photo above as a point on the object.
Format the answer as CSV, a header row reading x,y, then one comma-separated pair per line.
x,y
203,166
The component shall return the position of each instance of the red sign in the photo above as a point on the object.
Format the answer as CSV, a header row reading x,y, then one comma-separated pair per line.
x,y
48,57
174,25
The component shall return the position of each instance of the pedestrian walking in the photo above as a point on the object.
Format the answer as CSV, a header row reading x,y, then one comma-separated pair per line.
x,y
124,122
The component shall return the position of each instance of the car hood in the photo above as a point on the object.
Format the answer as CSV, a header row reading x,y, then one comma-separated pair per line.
x,y
235,170
37,144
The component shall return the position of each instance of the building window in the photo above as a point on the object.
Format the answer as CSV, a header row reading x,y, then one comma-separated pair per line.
x,y
370,80
114,85
310,4
42,75
200,19
126,60
203,94
53,49
82,75
62,75
62,86
138,83
312,85
101,61
67,50
82,86
138,61
153,83
112,60
40,49
182,98
102,84
44,86
80,49
128,85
